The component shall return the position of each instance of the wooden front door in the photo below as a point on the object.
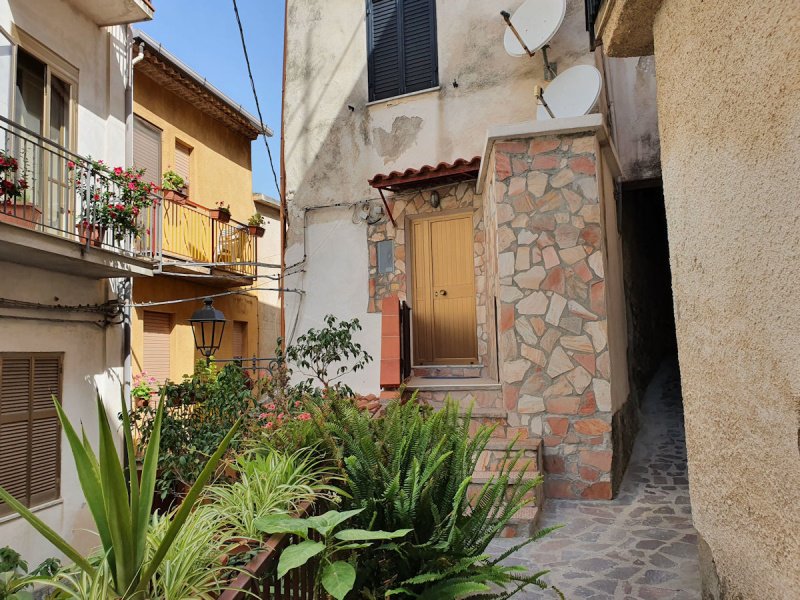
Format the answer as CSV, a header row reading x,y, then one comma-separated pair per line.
x,y
443,290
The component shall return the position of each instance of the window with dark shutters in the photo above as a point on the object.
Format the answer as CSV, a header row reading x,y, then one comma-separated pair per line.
x,y
30,433
401,45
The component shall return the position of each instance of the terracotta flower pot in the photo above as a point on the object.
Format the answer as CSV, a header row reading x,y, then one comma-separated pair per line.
x,y
256,230
223,216
24,215
93,233
176,197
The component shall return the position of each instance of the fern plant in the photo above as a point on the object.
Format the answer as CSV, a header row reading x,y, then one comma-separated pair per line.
x,y
411,469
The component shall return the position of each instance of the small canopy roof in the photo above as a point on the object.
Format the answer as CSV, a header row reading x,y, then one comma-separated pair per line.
x,y
444,173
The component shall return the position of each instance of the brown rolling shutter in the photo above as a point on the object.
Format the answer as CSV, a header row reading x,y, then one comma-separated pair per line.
x,y
30,434
182,158
239,345
157,329
147,149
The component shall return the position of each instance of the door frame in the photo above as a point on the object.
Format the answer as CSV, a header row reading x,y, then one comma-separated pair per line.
x,y
409,243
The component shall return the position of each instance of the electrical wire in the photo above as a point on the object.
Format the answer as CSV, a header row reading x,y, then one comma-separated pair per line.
x,y
255,97
218,295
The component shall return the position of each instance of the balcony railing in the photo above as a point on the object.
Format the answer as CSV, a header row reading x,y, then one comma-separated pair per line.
x,y
45,187
191,235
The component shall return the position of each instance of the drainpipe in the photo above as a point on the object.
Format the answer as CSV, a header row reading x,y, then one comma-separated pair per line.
x,y
126,287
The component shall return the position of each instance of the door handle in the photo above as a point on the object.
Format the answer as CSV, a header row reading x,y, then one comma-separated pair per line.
x,y
440,293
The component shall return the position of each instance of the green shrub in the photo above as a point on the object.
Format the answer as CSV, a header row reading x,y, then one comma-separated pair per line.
x,y
198,414
273,483
410,469
15,580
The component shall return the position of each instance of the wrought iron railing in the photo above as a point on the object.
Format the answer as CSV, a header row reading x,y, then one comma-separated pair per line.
x,y
592,8
49,189
190,234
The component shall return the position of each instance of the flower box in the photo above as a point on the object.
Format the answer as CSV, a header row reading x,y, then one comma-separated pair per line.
x,y
176,197
24,215
256,230
223,216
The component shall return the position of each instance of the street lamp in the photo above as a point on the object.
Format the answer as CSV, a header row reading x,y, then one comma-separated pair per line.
x,y
208,325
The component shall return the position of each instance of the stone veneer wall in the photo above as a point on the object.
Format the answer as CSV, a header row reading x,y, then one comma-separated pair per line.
x,y
403,207
555,365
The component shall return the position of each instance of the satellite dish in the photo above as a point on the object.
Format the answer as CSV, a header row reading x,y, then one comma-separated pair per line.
x,y
572,94
535,22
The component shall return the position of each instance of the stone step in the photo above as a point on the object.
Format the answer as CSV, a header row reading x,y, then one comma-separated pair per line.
x,y
523,525
496,453
448,371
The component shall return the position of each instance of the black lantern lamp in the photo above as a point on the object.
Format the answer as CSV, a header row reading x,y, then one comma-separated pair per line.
x,y
208,325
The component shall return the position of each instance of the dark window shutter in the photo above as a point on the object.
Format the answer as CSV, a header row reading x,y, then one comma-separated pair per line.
x,y
419,43
30,434
401,42
384,49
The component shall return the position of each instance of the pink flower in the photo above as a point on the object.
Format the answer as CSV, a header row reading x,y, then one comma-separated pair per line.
x,y
117,170
297,404
271,406
70,165
135,211
304,416
263,416
131,186
269,425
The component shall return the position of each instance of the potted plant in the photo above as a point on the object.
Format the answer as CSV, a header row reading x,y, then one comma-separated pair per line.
x,y
221,212
255,225
14,207
116,198
174,187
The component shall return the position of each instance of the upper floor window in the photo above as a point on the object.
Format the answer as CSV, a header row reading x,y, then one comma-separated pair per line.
x,y
147,149
401,46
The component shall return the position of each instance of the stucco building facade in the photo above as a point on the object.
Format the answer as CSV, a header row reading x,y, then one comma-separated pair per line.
x,y
182,124
499,231
730,142
75,54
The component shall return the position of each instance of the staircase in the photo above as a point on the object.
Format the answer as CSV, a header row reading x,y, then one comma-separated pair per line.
x,y
433,385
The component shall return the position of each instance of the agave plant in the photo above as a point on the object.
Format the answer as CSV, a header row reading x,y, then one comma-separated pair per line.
x,y
121,511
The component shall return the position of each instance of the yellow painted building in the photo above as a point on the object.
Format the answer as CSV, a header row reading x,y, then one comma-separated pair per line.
x,y
183,124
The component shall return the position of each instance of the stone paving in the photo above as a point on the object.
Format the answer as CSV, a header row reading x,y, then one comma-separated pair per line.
x,y
641,545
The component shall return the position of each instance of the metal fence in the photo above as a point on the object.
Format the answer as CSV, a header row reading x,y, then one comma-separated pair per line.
x,y
47,188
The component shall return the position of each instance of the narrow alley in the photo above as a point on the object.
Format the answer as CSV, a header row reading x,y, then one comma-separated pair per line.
x,y
642,545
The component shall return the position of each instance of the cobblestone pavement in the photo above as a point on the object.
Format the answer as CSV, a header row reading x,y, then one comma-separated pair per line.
x,y
639,546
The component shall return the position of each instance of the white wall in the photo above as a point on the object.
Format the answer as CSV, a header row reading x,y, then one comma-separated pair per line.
x,y
100,56
92,360
334,282
93,356
269,302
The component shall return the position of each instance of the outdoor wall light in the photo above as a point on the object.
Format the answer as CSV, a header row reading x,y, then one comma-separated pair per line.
x,y
435,199
208,325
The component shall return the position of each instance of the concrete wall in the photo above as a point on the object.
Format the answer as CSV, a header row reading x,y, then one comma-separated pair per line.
x,y
730,150
92,355
92,363
220,159
269,301
239,307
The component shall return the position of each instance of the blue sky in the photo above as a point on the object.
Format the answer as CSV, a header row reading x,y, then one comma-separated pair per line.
x,y
204,35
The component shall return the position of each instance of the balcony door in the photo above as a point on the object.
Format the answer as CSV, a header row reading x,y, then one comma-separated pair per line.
x,y
43,105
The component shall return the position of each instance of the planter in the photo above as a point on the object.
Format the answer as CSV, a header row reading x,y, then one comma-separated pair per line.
x,y
24,215
256,230
92,233
223,216
176,197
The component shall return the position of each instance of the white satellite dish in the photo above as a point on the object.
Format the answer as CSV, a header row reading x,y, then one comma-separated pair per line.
x,y
572,94
535,22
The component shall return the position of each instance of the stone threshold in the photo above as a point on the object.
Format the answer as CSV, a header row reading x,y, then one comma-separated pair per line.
x,y
451,384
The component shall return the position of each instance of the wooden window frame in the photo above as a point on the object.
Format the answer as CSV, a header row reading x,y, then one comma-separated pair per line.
x,y
32,356
401,54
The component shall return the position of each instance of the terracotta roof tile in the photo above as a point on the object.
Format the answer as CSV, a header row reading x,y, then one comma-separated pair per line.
x,y
461,169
